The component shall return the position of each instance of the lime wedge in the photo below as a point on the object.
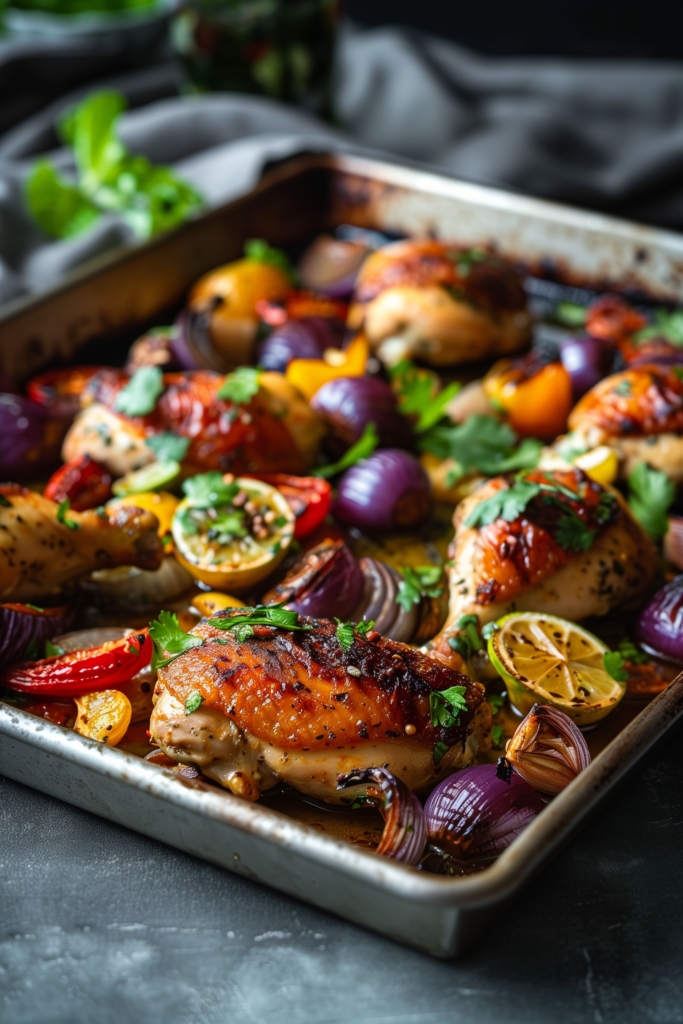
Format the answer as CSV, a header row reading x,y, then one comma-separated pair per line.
x,y
149,478
547,660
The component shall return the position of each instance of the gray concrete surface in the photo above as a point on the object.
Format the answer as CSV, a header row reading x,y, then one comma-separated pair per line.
x,y
99,925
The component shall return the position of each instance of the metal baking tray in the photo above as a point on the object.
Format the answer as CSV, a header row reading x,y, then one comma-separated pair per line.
x,y
126,291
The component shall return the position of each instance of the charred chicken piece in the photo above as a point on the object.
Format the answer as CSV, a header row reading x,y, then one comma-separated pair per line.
x,y
41,553
295,706
565,556
638,413
274,432
444,305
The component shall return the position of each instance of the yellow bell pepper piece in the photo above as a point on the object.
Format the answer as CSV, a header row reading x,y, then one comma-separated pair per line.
x,y
103,716
309,375
600,464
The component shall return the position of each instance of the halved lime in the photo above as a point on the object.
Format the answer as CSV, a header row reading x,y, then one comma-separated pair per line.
x,y
149,478
547,660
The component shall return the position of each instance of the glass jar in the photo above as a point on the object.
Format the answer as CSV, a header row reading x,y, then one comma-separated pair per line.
x,y
278,48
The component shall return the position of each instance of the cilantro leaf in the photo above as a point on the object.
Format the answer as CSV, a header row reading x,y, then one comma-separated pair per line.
x,y
168,446
363,448
665,325
418,582
614,663
345,635
208,490
241,385
169,639
258,249
440,748
631,652
62,509
465,258
487,631
57,205
226,526
496,700
506,504
651,492
481,443
262,615
53,650
193,702
468,641
445,706
139,396
418,394
498,737
571,314
572,534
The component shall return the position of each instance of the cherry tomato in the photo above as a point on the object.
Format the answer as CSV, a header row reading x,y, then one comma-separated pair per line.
x,y
60,390
83,481
79,672
535,395
308,497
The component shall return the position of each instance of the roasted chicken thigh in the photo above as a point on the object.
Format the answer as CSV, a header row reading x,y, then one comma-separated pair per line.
x,y
295,706
567,556
441,304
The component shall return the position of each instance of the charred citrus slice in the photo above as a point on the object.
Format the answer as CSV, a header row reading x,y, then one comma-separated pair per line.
x,y
548,660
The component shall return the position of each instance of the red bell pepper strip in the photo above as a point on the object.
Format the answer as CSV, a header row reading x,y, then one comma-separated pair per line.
x,y
309,498
60,390
78,672
83,481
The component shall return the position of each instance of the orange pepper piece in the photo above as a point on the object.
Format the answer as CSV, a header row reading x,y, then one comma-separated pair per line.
x,y
537,405
308,375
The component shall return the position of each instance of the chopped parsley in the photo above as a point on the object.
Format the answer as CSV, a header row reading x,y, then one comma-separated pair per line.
x,y
445,706
614,662
346,632
506,504
139,396
363,448
258,249
416,394
481,443
651,492
241,385
417,582
167,446
62,510
193,702
665,325
169,640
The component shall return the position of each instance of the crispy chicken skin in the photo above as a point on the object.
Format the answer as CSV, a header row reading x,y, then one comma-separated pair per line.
x,y
293,706
40,555
428,299
275,431
638,413
521,566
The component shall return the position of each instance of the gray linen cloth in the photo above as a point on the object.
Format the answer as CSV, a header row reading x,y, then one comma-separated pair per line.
x,y
602,134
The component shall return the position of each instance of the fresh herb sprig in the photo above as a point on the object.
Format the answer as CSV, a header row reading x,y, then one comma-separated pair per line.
x,y
508,504
139,396
257,249
614,662
149,198
62,510
418,394
262,615
362,449
632,652
346,632
167,446
241,385
668,325
208,490
418,582
651,493
482,444
468,640
169,640
445,706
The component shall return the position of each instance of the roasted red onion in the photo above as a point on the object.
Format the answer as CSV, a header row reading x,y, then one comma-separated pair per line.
x,y
659,628
388,490
330,266
190,343
404,835
306,338
22,627
326,582
474,815
379,602
31,438
548,750
586,360
350,403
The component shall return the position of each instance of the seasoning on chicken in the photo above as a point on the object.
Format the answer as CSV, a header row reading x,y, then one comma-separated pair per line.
x,y
639,414
296,706
43,547
274,431
444,305
553,542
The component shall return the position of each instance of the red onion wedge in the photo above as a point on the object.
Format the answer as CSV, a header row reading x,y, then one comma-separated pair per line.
x,y
586,360
350,403
31,438
388,490
25,628
379,602
474,815
659,628
404,837
305,338
326,582
330,266
548,750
